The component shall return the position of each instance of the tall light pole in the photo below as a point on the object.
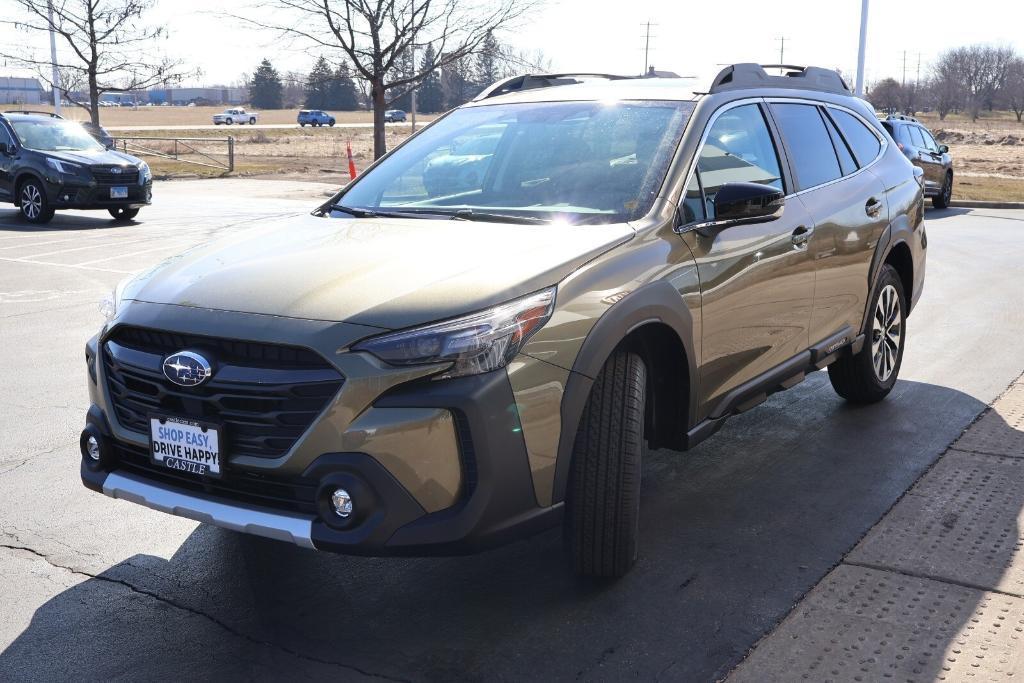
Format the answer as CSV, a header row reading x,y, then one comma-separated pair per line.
x,y
53,62
859,89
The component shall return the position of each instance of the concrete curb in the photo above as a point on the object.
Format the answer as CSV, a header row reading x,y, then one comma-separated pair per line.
x,y
977,204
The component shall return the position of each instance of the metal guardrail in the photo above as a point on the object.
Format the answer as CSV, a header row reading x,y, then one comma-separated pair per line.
x,y
182,146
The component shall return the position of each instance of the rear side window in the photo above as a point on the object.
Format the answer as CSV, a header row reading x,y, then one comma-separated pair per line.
x,y
864,143
846,162
738,149
807,140
5,137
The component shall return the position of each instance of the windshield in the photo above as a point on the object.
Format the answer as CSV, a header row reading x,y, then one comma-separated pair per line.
x,y
581,162
54,135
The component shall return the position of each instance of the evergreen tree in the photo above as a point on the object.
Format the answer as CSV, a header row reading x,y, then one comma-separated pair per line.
x,y
319,85
487,69
429,96
456,82
343,93
402,94
265,89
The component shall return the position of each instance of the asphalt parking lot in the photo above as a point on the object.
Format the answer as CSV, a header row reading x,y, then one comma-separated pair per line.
x,y
733,533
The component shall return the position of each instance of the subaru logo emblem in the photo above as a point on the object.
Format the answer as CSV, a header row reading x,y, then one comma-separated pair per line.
x,y
187,369
115,169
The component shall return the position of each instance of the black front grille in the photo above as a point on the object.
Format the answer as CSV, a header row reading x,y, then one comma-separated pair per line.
x,y
128,175
264,395
294,494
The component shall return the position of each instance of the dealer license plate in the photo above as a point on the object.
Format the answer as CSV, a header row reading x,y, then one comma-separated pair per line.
x,y
185,446
119,193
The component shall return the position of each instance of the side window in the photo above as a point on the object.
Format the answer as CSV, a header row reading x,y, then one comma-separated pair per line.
x,y
814,159
738,149
916,139
5,137
846,162
929,141
693,201
863,142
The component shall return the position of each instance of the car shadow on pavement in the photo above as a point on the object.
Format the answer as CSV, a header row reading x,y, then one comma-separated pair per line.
x,y
938,214
734,533
11,221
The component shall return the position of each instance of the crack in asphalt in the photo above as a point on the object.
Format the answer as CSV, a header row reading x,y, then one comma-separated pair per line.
x,y
199,613
23,461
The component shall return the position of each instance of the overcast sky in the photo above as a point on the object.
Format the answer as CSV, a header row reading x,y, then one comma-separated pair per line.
x,y
690,38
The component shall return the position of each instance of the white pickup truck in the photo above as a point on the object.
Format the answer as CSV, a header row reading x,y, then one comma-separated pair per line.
x,y
235,115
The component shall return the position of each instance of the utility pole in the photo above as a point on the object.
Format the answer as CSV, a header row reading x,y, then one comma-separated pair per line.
x,y
904,81
862,48
412,95
782,51
647,42
55,77
917,80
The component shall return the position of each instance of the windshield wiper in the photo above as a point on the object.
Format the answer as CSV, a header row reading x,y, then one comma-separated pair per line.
x,y
471,215
376,213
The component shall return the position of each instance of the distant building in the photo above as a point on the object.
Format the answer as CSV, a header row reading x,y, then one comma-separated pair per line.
x,y
21,90
198,95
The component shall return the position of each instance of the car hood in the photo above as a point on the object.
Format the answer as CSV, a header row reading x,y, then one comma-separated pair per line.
x,y
106,156
386,273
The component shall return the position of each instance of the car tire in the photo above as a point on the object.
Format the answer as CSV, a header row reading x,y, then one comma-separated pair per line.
x,y
302,125
602,510
123,215
228,122
35,207
331,123
941,200
869,376
252,121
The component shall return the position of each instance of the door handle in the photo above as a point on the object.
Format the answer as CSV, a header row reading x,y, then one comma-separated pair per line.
x,y
873,207
801,235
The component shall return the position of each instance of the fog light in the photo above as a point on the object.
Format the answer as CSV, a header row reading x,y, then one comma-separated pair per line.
x,y
342,503
92,447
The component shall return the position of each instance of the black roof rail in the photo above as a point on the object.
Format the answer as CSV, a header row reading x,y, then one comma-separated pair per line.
x,y
901,117
744,76
30,111
531,81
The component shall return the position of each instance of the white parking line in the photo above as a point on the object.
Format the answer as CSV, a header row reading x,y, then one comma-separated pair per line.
x,y
89,246
40,244
68,265
172,249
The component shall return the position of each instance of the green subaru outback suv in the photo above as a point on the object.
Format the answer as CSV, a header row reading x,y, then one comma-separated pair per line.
x,y
439,362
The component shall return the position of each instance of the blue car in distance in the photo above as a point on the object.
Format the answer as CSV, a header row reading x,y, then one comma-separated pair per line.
x,y
315,117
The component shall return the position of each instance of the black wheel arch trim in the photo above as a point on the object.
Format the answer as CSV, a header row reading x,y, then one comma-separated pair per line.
x,y
656,302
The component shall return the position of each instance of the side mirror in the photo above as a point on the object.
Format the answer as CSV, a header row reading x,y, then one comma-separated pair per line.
x,y
748,203
943,149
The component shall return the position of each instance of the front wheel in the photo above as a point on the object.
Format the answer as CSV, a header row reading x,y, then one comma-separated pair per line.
x,y
331,123
229,122
252,121
869,376
602,508
122,215
35,208
941,200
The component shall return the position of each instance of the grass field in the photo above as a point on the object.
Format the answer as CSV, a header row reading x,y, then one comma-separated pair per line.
x,y
113,117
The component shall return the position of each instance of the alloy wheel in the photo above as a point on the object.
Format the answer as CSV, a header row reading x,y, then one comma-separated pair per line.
x,y
31,201
886,333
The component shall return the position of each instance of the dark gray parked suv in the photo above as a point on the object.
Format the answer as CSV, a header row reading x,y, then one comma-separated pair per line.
x,y
917,144
450,355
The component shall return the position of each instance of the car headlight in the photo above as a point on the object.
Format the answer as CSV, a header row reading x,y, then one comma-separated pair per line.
x,y
64,167
145,174
475,343
111,303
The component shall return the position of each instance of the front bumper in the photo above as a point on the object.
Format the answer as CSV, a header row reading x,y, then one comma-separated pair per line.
x,y
495,502
78,195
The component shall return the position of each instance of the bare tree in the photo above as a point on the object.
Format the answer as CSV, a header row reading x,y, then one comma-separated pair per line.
x,y
977,72
886,95
1013,88
374,36
105,46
